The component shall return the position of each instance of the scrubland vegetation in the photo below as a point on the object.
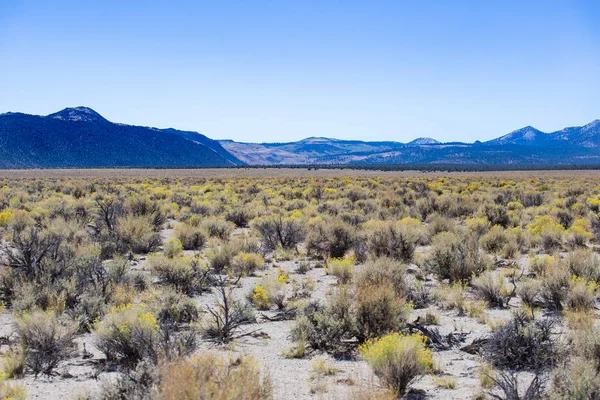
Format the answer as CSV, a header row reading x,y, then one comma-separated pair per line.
x,y
465,286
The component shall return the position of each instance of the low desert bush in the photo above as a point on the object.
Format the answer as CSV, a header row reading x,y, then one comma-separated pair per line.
x,y
529,290
393,239
240,216
137,384
556,284
538,265
452,297
491,287
185,274
46,340
220,258
522,344
278,231
398,360
548,232
495,240
329,328
455,258
582,294
383,270
245,264
191,237
172,248
128,334
379,311
577,236
270,291
341,268
136,234
208,376
175,307
478,225
329,238
576,380
217,228
583,264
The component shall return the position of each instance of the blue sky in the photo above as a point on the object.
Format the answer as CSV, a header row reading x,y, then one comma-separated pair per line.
x,y
285,70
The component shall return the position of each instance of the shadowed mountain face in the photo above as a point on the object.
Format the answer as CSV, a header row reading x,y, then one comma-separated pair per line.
x,y
574,145
81,138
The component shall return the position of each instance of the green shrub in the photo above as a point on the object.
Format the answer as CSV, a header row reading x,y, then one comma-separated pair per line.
x,y
191,237
341,268
379,311
383,271
175,307
491,288
221,258
582,294
172,248
398,360
394,240
583,264
270,291
185,274
495,240
128,334
327,328
247,263
217,228
332,238
240,216
9,391
556,283
137,234
455,258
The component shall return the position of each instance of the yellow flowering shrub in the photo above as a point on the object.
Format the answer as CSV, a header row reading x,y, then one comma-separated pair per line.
x,y
398,360
593,203
270,291
127,333
540,264
577,235
246,263
6,217
342,268
479,225
259,297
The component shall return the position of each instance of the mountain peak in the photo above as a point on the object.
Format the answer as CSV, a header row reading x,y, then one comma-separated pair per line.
x,y
78,114
424,140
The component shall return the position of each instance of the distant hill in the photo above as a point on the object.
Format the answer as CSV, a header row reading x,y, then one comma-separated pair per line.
x,y
574,145
81,138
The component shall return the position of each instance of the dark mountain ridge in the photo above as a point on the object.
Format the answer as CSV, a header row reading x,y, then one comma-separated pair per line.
x,y
81,138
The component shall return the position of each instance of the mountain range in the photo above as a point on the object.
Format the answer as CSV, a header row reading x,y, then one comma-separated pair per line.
x,y
81,138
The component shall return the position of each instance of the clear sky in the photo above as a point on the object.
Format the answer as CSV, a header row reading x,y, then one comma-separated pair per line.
x,y
283,70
